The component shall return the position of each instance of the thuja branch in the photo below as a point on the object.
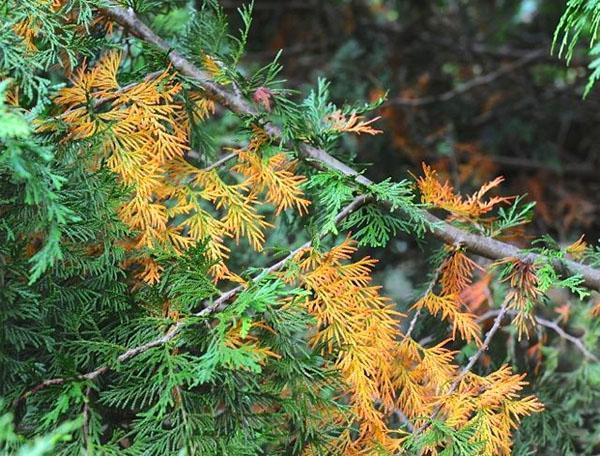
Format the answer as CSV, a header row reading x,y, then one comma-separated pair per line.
x,y
207,309
234,101
471,84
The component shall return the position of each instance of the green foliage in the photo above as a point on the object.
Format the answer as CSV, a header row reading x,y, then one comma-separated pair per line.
x,y
551,255
55,40
370,224
517,214
332,191
43,445
571,398
374,226
581,18
26,162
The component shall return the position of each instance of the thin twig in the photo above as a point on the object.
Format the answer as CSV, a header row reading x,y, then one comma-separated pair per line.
x,y
412,324
486,343
576,341
429,289
467,368
404,419
221,161
217,305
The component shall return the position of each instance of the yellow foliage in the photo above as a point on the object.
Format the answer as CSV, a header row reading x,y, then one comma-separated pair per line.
x,y
491,404
357,327
577,249
494,408
211,65
29,29
419,374
276,177
202,226
144,131
241,214
202,108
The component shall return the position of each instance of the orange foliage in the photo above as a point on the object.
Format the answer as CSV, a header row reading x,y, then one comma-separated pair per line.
x,y
442,195
356,328
455,275
595,310
577,249
474,296
144,131
353,124
457,272
491,404
448,306
523,294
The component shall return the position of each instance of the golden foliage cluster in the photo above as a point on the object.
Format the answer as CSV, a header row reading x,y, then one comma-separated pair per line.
x,y
357,329
455,274
144,128
387,372
490,406
443,196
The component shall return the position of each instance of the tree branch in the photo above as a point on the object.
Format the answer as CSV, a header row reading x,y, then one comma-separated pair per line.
x,y
481,245
468,85
467,368
478,244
